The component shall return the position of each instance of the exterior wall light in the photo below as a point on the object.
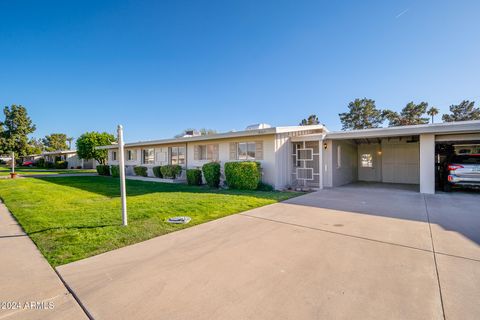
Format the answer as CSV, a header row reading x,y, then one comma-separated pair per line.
x,y
325,146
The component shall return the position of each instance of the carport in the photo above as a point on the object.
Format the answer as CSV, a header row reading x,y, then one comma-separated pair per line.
x,y
394,155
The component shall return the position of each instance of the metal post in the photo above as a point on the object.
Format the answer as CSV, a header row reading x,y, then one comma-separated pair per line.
x,y
13,162
121,166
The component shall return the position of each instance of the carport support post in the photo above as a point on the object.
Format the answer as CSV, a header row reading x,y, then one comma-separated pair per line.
x,y
121,168
427,163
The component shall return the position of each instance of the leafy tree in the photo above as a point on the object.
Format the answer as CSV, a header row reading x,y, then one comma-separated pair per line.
x,y
55,141
311,120
87,143
362,114
200,132
35,146
432,112
16,128
462,112
410,115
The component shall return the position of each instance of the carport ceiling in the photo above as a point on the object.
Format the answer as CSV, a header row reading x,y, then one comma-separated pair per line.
x,y
408,139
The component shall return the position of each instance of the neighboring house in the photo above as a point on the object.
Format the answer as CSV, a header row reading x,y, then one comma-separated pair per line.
x,y
71,157
313,157
63,155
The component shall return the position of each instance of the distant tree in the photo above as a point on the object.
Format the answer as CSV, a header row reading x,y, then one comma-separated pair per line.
x,y
201,132
55,141
362,114
311,120
35,146
411,114
462,112
432,112
15,130
69,140
87,143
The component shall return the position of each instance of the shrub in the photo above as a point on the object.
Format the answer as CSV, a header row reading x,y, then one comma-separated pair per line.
x,y
157,172
243,175
115,171
61,164
49,165
140,171
103,170
265,187
40,163
79,167
171,171
194,177
211,173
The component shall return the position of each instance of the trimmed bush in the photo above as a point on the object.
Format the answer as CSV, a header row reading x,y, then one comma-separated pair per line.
x,y
265,187
140,171
40,163
103,170
194,177
61,164
243,175
157,172
49,165
115,171
171,171
211,173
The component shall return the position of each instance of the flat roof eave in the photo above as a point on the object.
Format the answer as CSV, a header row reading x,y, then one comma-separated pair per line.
x,y
436,128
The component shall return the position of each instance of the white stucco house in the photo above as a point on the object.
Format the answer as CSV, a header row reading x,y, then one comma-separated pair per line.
x,y
70,156
313,156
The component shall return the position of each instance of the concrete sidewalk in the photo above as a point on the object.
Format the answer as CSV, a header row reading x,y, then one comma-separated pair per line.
x,y
29,287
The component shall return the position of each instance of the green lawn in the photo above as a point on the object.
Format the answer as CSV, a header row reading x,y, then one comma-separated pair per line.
x,y
5,171
71,218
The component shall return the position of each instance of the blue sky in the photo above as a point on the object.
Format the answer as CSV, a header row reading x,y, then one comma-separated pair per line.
x,y
158,67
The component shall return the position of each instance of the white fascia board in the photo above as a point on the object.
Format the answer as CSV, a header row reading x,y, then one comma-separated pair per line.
x,y
226,135
436,128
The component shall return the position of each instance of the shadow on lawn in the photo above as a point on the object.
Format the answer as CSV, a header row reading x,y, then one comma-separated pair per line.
x,y
110,187
75,227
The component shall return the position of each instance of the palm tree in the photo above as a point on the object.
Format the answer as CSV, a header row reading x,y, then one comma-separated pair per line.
x,y
69,139
432,112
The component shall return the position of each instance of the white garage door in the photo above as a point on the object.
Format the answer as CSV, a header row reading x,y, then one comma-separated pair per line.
x,y
401,163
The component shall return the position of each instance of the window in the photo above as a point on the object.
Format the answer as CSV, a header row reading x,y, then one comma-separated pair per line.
x,y
206,152
177,155
131,155
339,156
148,156
367,160
114,155
246,151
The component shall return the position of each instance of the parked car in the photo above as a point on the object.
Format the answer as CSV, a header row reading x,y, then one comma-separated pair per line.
x,y
27,164
462,171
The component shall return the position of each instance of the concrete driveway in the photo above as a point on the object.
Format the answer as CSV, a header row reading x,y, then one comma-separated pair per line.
x,y
346,253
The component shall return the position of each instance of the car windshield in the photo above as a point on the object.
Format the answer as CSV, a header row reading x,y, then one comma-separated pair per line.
x,y
467,159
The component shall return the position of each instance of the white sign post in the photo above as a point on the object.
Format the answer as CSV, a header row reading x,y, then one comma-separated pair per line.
x,y
121,167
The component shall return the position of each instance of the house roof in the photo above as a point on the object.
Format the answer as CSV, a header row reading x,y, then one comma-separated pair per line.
x,y
47,153
437,128
225,135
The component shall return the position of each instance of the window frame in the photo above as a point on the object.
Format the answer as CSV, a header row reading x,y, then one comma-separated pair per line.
x,y
152,156
366,163
244,155
175,159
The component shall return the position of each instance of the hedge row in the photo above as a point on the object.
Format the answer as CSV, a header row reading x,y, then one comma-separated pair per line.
x,y
243,175
115,171
140,171
103,170
194,177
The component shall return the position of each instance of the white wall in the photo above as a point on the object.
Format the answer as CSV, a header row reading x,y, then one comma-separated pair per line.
x,y
400,161
427,163
347,172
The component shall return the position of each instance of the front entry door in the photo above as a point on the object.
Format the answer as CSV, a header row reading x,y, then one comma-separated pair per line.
x,y
369,164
